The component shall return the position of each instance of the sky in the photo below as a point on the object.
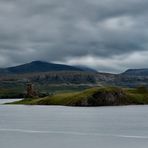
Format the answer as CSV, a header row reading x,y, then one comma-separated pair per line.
x,y
108,35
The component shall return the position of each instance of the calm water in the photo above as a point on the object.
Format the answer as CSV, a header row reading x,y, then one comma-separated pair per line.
x,y
73,127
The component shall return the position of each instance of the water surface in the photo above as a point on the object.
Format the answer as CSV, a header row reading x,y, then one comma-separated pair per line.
x,y
73,127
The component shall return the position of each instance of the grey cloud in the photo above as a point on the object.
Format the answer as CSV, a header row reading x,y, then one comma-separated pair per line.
x,y
57,30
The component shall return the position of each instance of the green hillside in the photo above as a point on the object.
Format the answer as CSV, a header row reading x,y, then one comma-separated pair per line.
x,y
105,96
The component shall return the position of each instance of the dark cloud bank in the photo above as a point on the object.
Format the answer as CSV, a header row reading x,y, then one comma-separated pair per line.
x,y
109,35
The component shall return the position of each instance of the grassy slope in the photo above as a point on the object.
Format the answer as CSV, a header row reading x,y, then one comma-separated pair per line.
x,y
92,97
60,99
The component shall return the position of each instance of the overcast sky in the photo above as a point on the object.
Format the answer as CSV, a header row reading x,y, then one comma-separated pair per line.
x,y
109,35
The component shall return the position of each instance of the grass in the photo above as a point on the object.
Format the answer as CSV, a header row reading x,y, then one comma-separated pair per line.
x,y
11,93
92,97
18,91
138,96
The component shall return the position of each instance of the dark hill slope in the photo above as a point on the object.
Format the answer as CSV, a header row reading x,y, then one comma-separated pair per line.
x,y
87,69
136,72
38,66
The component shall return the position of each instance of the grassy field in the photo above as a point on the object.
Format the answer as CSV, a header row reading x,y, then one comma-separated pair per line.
x,y
104,96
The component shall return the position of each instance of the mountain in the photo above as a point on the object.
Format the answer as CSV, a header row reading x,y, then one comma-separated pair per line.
x,y
44,74
85,68
38,66
136,72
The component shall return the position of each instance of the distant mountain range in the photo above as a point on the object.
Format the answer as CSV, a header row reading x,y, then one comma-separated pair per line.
x,y
44,73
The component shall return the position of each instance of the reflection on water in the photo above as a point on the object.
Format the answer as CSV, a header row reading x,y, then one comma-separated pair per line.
x,y
2,101
73,127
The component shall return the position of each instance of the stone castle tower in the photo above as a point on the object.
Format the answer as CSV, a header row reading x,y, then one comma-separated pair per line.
x,y
30,91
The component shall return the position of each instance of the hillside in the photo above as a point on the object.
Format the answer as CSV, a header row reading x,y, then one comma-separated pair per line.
x,y
38,66
136,72
104,96
87,69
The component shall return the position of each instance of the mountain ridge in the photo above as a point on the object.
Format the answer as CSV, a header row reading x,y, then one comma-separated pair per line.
x,y
44,73
38,66
136,72
43,66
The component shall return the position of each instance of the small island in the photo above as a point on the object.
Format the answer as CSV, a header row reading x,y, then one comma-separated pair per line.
x,y
97,96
